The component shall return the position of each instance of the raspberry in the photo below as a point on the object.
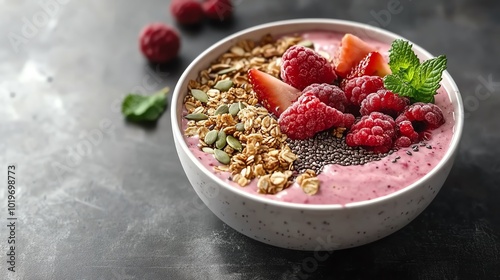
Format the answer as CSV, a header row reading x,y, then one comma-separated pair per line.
x,y
406,134
375,132
308,115
384,101
416,121
331,95
356,89
218,9
160,43
302,66
187,11
423,116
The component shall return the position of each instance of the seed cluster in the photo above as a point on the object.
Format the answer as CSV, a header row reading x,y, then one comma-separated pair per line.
x,y
324,148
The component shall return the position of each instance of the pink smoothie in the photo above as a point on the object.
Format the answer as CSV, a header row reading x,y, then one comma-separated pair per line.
x,y
346,184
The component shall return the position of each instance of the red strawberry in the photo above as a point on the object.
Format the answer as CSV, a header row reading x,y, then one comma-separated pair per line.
x,y
352,51
272,93
373,64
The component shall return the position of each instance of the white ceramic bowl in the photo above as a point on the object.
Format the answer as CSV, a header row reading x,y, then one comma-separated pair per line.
x,y
300,226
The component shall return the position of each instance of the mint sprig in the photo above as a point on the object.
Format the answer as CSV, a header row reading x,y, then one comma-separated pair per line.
x,y
410,78
137,107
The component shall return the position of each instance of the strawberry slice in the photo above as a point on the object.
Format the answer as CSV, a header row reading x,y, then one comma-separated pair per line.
x,y
373,64
272,93
352,51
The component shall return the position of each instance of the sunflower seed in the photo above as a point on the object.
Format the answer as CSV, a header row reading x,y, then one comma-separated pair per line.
x,y
200,95
221,156
223,109
234,109
221,140
211,137
224,85
238,51
196,117
234,143
207,150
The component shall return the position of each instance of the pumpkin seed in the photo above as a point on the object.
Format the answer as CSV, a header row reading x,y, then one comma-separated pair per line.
x,y
200,95
211,137
196,117
234,143
223,109
222,156
240,127
221,140
306,43
234,109
224,85
207,150
241,105
225,71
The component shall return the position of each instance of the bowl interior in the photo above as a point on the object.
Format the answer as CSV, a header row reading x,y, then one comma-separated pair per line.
x,y
298,26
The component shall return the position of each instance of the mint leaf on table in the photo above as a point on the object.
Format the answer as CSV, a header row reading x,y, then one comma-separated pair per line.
x,y
410,78
137,107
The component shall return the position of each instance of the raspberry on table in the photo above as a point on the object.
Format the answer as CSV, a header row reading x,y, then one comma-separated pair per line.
x,y
302,66
356,89
331,95
375,132
159,43
218,9
308,115
187,11
384,101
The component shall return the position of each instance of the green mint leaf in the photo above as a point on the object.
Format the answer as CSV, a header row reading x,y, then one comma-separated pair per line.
x,y
410,78
402,59
397,84
145,108
429,76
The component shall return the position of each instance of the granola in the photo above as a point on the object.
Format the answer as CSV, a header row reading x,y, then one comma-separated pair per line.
x,y
231,108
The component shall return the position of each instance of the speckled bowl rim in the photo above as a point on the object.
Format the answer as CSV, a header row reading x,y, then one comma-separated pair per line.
x,y
332,25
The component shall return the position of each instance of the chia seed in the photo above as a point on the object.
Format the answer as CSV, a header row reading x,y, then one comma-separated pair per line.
x,y
324,149
408,153
414,148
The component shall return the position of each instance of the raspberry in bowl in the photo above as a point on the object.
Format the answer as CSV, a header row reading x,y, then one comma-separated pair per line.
x,y
295,133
